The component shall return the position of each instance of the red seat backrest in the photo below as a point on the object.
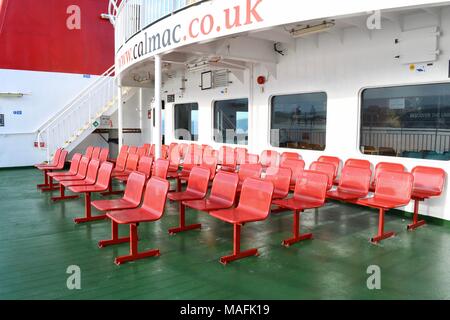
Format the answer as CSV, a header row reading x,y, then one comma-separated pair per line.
x,y
83,167
241,154
227,156
121,161
428,180
96,153
164,151
193,156
132,150
155,196
326,168
311,186
104,175
172,146
224,187
394,187
183,149
387,166
355,179
161,168
104,153
141,151
88,152
256,197
151,152
269,158
250,170
333,160
74,164
174,156
55,159
280,177
295,165
198,181
358,163
147,147
251,158
289,155
132,162
208,151
62,159
135,188
92,171
210,162
124,148
145,166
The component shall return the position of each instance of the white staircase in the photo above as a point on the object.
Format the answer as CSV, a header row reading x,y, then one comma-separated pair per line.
x,y
81,116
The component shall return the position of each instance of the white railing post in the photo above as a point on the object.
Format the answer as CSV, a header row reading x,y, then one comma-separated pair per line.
x,y
157,105
120,115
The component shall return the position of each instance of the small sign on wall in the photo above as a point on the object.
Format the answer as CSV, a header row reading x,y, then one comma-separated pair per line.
x,y
17,112
170,98
2,120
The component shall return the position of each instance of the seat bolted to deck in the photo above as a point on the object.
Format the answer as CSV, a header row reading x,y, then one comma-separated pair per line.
x,y
152,210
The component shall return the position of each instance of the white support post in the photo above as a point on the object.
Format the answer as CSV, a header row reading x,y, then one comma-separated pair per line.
x,y
157,105
141,107
120,116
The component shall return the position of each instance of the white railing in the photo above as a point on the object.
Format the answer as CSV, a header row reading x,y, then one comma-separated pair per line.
x,y
79,114
131,16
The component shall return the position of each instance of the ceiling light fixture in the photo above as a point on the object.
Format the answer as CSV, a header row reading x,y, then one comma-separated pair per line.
x,y
308,30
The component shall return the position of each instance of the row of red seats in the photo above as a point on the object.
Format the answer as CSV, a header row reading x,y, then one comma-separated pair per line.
x,y
311,187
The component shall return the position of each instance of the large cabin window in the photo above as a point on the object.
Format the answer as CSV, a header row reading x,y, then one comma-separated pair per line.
x,y
407,121
298,121
186,121
231,121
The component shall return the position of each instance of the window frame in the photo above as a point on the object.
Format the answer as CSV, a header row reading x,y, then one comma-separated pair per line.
x,y
269,143
359,114
213,102
174,105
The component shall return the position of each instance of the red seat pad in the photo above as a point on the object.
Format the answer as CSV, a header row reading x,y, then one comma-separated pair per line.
x,y
185,195
380,203
295,204
344,195
87,188
207,204
74,183
69,178
133,216
236,215
114,204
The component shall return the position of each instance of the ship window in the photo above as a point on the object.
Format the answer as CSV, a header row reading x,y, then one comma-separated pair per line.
x,y
407,121
298,121
231,121
186,121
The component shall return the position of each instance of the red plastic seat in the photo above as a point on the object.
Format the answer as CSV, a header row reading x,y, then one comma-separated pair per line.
x,y
227,159
147,147
326,168
223,193
183,149
101,184
164,152
48,181
90,179
89,151
121,160
132,196
428,182
333,160
241,155
161,168
310,192
210,163
281,179
80,175
353,184
289,155
141,151
152,210
254,205
269,158
248,170
104,153
96,153
54,161
132,150
74,163
175,159
296,166
385,166
358,163
393,190
123,151
130,166
196,189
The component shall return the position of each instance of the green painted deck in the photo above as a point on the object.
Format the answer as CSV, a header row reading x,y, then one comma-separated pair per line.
x,y
38,241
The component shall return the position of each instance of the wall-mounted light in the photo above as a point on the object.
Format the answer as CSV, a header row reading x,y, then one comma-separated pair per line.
x,y
308,30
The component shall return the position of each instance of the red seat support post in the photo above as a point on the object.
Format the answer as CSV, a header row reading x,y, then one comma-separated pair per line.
x,y
196,189
152,210
428,182
310,192
104,176
254,205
